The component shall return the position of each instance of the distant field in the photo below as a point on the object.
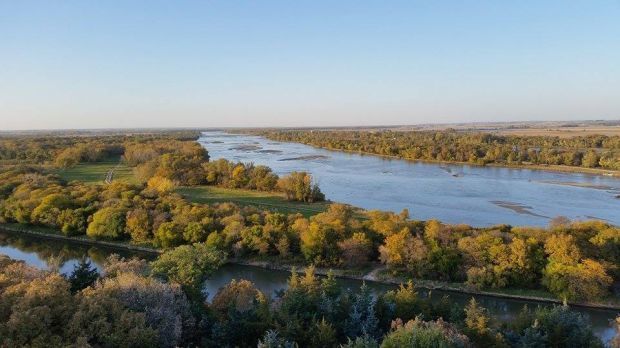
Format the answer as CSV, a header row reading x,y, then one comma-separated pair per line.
x,y
265,200
95,173
563,132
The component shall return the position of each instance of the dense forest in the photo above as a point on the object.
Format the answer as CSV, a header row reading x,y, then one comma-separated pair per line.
x,y
136,304
577,261
595,151
64,150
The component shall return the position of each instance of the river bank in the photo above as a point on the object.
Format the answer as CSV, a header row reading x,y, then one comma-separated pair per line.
x,y
542,167
33,232
376,273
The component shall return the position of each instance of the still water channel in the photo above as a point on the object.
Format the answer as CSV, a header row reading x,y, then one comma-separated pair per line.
x,y
62,256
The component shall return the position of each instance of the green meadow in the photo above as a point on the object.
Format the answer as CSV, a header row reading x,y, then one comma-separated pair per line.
x,y
267,200
95,173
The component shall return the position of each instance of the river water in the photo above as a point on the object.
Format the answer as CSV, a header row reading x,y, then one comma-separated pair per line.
x,y
454,193
62,256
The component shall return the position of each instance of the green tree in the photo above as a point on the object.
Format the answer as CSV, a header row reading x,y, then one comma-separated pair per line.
x,y
188,265
272,340
299,186
422,334
323,334
590,159
243,313
405,301
168,235
562,327
362,319
194,232
83,276
72,222
107,223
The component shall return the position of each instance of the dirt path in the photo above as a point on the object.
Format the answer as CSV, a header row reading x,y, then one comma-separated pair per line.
x,y
109,177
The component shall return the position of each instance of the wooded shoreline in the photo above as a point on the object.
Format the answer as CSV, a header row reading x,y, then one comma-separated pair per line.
x,y
542,167
338,273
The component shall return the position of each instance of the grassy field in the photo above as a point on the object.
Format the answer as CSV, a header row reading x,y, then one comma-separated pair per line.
x,y
266,200
563,132
95,173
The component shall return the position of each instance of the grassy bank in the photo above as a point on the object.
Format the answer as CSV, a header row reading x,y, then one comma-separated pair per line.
x,y
272,201
50,233
95,173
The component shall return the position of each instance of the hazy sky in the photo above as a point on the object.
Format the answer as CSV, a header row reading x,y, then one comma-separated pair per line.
x,y
92,64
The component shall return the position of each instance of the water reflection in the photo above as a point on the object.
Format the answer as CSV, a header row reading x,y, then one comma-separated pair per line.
x,y
62,256
55,255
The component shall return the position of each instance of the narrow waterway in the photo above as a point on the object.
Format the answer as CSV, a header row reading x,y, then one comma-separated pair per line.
x,y
62,256
479,196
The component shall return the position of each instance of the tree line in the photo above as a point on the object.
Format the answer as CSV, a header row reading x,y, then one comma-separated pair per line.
x,y
64,150
167,164
133,303
593,151
577,261
166,159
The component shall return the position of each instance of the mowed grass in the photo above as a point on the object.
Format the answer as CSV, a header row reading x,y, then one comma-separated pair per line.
x,y
266,200
95,173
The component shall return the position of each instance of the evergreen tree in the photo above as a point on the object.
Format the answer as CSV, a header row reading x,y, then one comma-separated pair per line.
x,y
272,340
361,342
362,320
83,276
532,338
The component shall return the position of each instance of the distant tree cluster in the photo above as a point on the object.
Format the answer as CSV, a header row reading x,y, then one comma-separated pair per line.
x,y
64,150
594,151
240,175
133,303
181,162
299,186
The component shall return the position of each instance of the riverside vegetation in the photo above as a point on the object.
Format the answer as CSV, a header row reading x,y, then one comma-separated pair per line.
x,y
576,261
592,151
137,304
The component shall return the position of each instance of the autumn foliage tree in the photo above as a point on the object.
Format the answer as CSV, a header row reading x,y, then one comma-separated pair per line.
x,y
299,186
570,276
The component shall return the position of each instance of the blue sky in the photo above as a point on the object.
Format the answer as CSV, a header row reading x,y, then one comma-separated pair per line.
x,y
98,64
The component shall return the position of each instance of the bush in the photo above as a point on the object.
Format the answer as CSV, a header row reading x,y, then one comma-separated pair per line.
x,y
418,333
108,223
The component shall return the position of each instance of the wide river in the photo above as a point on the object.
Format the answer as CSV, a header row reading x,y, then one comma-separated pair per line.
x,y
62,256
454,193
